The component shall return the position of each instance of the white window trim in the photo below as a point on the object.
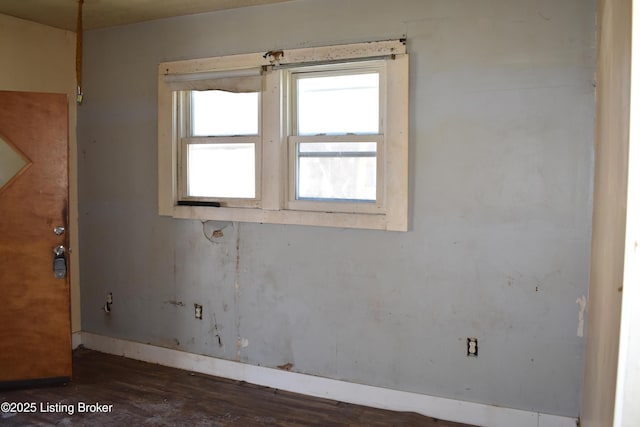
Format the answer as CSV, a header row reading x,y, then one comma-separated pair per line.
x,y
275,205
184,138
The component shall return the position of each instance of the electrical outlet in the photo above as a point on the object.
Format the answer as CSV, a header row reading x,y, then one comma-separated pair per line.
x,y
472,347
198,311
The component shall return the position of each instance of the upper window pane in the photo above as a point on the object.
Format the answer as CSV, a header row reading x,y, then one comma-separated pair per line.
x,y
220,113
338,104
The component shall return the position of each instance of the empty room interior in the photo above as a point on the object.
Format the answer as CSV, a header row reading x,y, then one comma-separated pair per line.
x,y
319,212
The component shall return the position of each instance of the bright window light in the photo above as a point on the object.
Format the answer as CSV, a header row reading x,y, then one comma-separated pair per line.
x,y
337,171
220,113
221,170
338,104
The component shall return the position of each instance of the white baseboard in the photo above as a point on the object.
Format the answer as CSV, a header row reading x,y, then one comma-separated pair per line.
x,y
377,397
76,340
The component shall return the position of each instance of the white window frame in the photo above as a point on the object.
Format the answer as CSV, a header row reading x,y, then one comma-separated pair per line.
x,y
294,138
184,138
275,198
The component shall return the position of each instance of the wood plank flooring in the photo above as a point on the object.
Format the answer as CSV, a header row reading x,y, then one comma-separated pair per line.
x,y
146,394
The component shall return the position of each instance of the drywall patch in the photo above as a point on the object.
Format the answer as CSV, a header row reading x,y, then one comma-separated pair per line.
x,y
214,232
582,302
241,343
236,293
286,366
175,303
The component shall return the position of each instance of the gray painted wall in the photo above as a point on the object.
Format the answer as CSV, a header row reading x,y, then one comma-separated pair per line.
x,y
501,169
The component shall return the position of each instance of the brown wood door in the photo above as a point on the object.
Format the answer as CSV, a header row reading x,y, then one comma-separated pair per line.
x,y
35,329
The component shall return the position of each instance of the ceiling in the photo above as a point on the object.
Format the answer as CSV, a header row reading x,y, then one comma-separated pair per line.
x,y
109,13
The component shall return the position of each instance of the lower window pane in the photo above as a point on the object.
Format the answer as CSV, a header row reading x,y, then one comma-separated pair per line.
x,y
337,171
221,170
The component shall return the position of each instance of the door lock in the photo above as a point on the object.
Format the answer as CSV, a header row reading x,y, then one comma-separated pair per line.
x,y
59,263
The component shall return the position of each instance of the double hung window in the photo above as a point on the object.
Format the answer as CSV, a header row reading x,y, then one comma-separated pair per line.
x,y
218,133
309,136
336,134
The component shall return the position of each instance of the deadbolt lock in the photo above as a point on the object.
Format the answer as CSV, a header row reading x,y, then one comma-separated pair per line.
x,y
59,263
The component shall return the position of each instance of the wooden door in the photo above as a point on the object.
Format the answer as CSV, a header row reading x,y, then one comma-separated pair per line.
x,y
35,330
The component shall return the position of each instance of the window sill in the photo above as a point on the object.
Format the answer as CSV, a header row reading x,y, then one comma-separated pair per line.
x,y
291,217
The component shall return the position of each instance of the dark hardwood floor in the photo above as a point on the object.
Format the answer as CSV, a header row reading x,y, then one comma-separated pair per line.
x,y
146,394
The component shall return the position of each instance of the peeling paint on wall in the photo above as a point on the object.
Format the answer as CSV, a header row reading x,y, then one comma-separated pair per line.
x,y
582,302
214,328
